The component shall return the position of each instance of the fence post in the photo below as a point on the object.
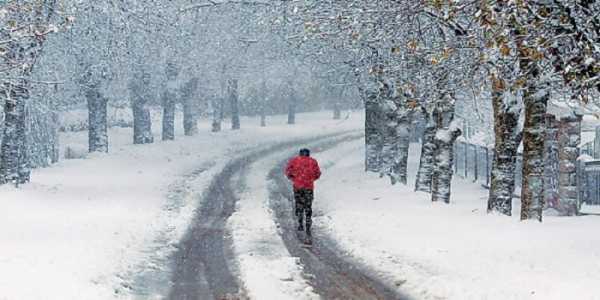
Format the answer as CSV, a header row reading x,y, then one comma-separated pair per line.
x,y
466,147
456,157
596,152
476,166
487,166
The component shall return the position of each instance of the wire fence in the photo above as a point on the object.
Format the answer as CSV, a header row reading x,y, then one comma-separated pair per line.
x,y
474,162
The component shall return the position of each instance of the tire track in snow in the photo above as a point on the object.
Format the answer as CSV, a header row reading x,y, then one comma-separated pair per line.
x,y
203,266
331,275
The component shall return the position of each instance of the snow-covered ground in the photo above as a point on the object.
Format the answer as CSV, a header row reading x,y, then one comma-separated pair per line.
x,y
456,251
81,227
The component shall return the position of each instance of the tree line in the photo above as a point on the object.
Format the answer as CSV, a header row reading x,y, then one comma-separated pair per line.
x,y
412,59
56,55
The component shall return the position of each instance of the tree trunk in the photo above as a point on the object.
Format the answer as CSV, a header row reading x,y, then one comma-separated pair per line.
x,y
507,140
337,112
190,107
403,150
142,122
263,104
443,159
232,89
395,143
24,168
373,138
14,165
263,116
55,141
217,104
423,182
532,192
168,120
446,134
292,108
97,121
190,117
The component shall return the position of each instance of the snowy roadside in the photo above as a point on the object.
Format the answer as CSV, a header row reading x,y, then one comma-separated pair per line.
x,y
267,269
456,251
82,226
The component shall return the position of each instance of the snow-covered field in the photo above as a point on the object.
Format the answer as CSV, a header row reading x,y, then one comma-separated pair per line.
x,y
456,251
82,226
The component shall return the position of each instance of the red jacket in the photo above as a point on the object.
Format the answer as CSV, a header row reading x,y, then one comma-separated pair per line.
x,y
303,171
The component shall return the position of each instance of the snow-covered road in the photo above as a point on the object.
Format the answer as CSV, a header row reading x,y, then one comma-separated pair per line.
x,y
330,272
97,228
204,266
267,261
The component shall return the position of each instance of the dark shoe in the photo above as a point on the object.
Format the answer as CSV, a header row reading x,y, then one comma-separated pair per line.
x,y
308,233
300,227
308,241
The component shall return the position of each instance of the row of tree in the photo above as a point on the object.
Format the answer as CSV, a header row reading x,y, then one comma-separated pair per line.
x,y
415,58
56,55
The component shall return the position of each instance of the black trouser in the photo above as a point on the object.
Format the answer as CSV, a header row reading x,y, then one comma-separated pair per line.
x,y
304,199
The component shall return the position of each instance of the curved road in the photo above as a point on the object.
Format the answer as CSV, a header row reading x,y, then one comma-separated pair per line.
x,y
203,265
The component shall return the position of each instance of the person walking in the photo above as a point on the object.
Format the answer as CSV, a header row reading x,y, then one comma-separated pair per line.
x,y
303,171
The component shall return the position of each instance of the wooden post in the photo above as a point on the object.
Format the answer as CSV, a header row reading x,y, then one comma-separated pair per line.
x,y
596,150
466,147
487,166
455,158
475,166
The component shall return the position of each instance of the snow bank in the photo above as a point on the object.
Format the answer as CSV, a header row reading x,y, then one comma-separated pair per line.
x,y
83,227
456,251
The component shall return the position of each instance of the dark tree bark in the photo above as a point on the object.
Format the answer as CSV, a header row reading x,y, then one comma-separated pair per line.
x,y
232,90
21,51
394,153
442,173
217,105
97,120
395,137
262,100
168,119
142,121
425,172
445,136
14,166
190,107
263,115
337,112
532,192
373,141
55,142
292,103
169,100
507,140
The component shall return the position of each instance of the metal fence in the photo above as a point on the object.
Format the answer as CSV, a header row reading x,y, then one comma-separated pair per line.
x,y
588,149
590,182
474,162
